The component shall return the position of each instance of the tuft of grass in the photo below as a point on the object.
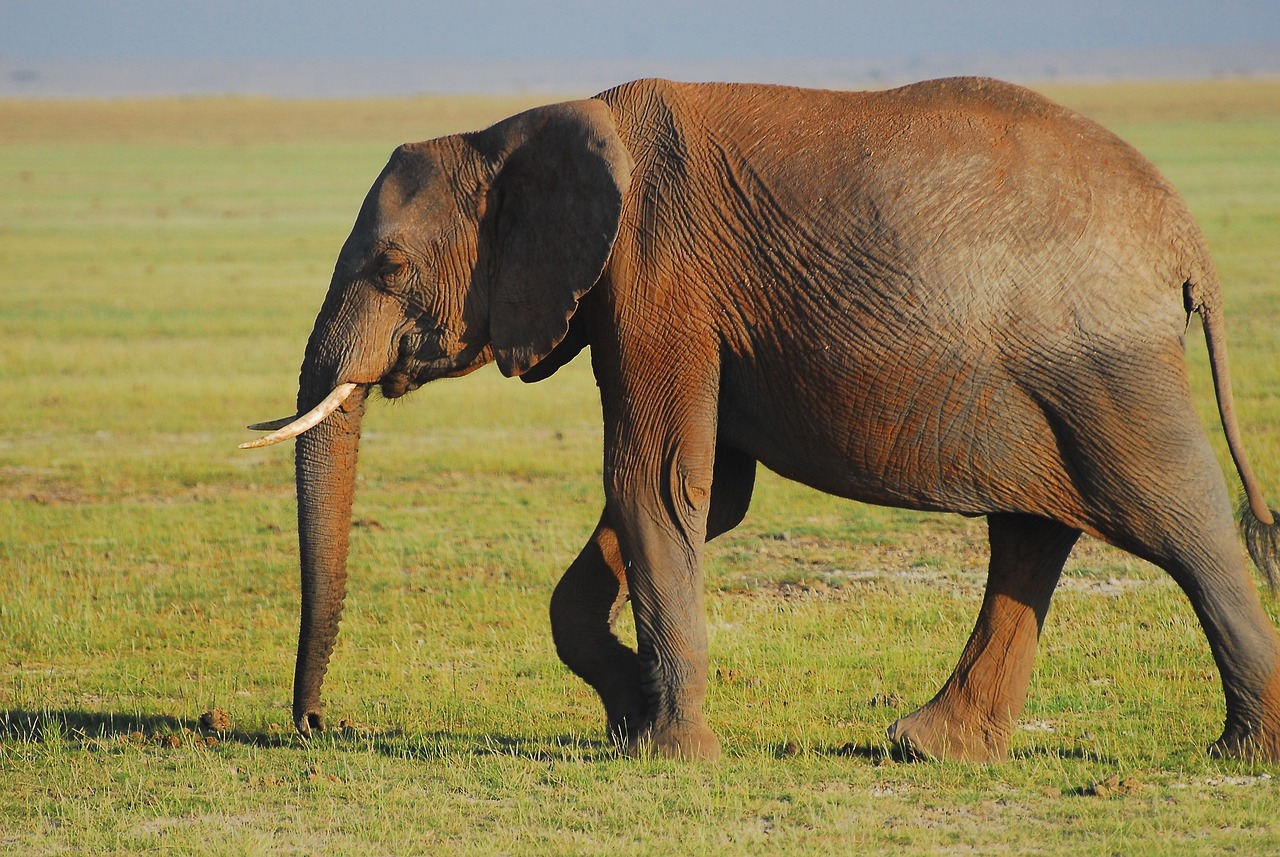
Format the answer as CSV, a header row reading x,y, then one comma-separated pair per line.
x,y
162,262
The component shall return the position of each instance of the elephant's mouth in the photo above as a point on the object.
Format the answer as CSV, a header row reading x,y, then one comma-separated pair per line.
x,y
396,385
424,355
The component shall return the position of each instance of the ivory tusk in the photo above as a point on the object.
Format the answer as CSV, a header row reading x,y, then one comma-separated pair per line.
x,y
272,425
291,427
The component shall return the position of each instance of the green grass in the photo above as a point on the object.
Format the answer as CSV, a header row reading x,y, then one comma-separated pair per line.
x,y
160,266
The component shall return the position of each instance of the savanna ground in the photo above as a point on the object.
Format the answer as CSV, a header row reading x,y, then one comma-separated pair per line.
x,y
160,266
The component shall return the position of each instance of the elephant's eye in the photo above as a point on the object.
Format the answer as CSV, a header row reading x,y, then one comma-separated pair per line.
x,y
390,267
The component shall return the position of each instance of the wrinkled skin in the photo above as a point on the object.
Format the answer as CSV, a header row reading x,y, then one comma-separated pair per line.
x,y
954,296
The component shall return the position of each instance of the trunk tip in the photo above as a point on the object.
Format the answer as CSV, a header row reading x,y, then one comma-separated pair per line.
x,y
309,720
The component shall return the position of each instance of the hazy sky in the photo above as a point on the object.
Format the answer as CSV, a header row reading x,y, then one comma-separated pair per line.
x,y
614,29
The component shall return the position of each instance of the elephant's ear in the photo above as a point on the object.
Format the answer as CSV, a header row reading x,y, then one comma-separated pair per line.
x,y
558,200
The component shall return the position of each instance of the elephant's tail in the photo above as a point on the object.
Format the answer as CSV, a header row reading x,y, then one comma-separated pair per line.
x,y
1261,524
1262,540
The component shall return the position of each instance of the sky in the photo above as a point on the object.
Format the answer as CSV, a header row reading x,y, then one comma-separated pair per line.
x,y
607,29
44,33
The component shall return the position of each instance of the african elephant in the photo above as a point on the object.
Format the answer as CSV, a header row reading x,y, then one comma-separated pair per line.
x,y
952,296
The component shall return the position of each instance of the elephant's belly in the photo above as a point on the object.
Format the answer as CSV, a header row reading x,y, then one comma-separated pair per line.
x,y
945,439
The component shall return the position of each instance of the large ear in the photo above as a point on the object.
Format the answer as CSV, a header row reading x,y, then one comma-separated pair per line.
x,y
558,197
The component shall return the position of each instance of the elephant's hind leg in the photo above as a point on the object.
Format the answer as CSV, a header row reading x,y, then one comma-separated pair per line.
x,y
1207,563
1151,484
973,716
584,607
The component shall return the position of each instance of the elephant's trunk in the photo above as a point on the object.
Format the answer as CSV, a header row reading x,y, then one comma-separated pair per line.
x,y
325,458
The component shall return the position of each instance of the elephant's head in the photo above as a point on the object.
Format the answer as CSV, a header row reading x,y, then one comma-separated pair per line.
x,y
467,249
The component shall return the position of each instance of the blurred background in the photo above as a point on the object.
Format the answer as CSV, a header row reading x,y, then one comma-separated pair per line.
x,y
327,48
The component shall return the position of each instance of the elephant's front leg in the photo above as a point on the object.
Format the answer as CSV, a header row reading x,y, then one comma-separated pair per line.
x,y
586,602
659,494
972,717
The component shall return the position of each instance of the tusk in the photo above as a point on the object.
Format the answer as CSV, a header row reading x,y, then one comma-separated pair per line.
x,y
291,427
272,425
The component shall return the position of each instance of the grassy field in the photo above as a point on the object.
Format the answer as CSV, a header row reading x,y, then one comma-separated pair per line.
x,y
160,267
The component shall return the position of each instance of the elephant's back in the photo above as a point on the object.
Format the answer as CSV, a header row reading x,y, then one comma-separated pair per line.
x,y
954,210
948,147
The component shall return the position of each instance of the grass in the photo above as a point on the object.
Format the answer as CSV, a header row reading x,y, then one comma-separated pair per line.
x,y
161,265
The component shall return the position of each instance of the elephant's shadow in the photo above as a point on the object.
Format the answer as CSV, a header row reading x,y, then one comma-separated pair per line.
x,y
440,744
880,753
88,728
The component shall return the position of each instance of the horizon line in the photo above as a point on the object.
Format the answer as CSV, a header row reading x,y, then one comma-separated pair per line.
x,y
346,78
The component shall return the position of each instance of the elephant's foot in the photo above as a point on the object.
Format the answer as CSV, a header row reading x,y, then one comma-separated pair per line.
x,y
930,733
681,739
1253,739
1246,746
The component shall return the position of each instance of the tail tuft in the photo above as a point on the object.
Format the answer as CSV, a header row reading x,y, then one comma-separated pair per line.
x,y
1263,542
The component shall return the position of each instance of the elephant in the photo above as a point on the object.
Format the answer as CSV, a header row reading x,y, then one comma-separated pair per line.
x,y
952,296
